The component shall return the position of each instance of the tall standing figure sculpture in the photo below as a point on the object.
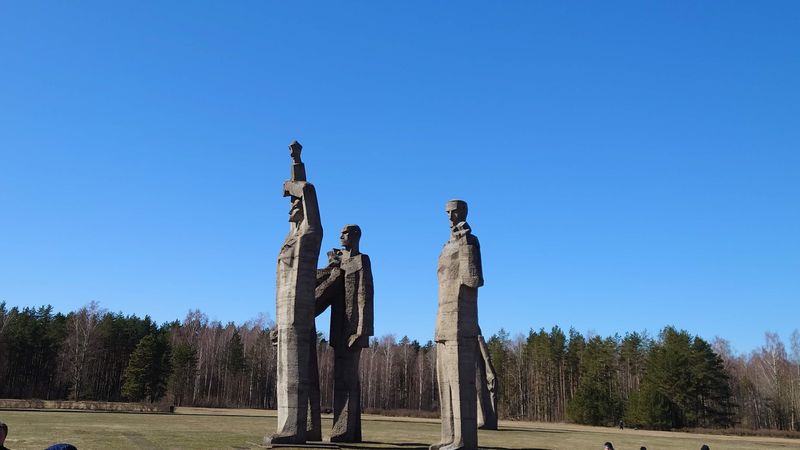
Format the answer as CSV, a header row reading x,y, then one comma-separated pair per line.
x,y
298,378
460,276
346,286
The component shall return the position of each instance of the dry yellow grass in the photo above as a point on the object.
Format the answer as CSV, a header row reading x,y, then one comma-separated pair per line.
x,y
206,428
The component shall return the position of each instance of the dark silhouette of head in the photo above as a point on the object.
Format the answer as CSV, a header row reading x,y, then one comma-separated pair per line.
x,y
456,211
350,237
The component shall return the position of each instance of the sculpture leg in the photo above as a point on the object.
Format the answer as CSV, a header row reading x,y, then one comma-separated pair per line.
x,y
460,366
314,424
445,398
293,380
480,376
493,403
467,350
346,396
487,408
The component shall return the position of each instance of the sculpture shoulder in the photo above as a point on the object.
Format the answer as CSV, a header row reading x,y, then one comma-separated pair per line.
x,y
471,239
308,188
356,263
309,231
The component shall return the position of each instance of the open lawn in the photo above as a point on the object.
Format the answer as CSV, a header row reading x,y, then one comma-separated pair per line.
x,y
203,428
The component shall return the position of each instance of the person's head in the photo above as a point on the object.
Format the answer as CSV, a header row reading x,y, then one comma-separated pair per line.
x,y
3,432
643,448
334,255
61,447
350,237
704,447
456,211
296,211
608,446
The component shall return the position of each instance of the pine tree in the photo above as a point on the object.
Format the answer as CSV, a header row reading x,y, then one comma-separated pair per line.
x,y
148,370
684,385
184,369
597,400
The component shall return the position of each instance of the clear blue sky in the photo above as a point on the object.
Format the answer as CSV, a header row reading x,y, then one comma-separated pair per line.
x,y
628,165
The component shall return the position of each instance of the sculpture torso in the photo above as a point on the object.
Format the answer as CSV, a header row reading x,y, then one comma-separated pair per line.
x,y
356,310
296,277
349,291
459,274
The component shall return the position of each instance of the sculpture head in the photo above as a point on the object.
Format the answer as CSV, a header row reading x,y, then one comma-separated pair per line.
x,y
350,237
456,211
294,151
296,213
334,256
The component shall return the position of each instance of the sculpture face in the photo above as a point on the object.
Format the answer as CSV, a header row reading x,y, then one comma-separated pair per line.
x,y
350,237
456,214
296,211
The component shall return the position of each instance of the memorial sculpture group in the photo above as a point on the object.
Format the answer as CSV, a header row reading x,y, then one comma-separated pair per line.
x,y
466,378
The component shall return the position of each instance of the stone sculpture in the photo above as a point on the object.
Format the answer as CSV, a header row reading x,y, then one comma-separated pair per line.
x,y
460,276
346,286
487,389
298,378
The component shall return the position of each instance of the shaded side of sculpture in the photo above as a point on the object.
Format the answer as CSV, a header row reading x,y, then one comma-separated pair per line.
x,y
486,383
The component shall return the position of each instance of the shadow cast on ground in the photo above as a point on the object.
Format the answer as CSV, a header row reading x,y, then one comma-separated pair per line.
x,y
419,446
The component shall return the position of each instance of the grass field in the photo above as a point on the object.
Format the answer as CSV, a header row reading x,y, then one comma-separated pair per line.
x,y
202,428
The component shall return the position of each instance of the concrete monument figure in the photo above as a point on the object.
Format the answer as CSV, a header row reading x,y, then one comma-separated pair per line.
x,y
298,378
487,389
460,276
346,286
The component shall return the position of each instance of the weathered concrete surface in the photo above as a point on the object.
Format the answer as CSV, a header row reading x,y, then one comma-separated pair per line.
x,y
298,379
487,389
346,286
460,275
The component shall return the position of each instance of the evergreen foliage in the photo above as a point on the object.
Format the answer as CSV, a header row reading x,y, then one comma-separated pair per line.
x,y
684,385
597,401
149,367
676,380
184,369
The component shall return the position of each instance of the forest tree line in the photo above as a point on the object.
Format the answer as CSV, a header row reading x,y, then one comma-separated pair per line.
x,y
672,380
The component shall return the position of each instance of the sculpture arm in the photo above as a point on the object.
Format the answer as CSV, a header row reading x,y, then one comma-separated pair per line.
x,y
366,297
487,360
470,263
327,283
